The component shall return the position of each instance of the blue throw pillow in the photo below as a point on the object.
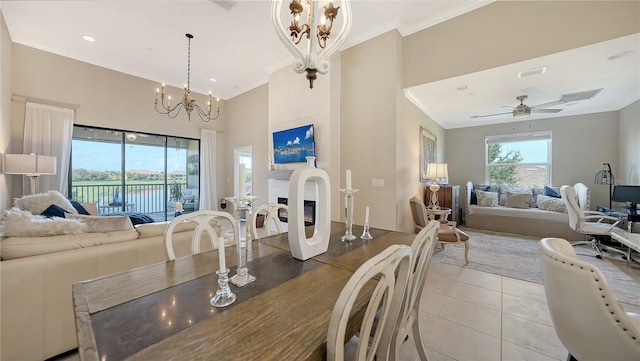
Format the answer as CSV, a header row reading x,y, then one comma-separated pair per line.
x,y
135,217
474,196
54,211
550,192
79,207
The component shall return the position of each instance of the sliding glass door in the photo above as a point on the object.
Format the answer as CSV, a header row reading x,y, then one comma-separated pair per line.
x,y
124,171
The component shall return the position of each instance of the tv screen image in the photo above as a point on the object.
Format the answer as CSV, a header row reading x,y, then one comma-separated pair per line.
x,y
293,145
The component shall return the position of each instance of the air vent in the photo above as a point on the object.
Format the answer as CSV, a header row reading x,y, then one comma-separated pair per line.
x,y
531,72
227,4
584,95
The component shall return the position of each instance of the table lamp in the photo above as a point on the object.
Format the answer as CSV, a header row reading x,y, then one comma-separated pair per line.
x,y
436,171
30,165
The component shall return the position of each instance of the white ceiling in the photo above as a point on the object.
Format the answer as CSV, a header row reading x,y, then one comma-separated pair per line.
x,y
239,48
492,91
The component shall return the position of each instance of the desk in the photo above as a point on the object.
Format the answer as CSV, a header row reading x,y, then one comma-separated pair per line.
x,y
621,213
162,311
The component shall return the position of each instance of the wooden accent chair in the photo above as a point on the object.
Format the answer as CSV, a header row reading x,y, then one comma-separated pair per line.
x,y
448,232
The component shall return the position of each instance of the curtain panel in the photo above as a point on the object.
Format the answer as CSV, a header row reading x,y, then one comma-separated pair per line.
x,y
209,193
48,130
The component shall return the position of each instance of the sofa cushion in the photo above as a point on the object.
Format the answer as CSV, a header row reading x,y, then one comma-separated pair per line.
x,y
551,192
19,223
551,204
502,197
158,228
474,195
54,211
38,203
98,224
518,200
487,199
19,247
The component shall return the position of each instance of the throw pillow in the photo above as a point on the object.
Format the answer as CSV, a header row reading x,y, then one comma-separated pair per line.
x,y
551,203
38,203
518,200
19,223
550,192
135,217
54,211
100,224
487,199
78,207
502,197
474,195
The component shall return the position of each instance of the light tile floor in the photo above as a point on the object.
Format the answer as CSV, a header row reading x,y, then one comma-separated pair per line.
x,y
471,315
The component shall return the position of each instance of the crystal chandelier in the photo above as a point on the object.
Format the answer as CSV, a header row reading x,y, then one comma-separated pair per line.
x,y
186,101
313,61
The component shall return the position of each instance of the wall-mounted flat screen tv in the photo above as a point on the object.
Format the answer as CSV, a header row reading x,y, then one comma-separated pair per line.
x,y
293,145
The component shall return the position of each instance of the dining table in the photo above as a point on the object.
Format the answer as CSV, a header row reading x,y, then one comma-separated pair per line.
x,y
162,311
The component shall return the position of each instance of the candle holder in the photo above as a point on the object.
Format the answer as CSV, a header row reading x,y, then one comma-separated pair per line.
x,y
224,296
365,233
241,207
348,209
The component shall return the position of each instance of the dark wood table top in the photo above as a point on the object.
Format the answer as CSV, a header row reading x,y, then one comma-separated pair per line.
x,y
162,311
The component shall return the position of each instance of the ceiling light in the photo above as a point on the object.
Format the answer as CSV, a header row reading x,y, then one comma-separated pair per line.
x,y
621,54
187,101
536,71
89,38
462,87
212,79
311,61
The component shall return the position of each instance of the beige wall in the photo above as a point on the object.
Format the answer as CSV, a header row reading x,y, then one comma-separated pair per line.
x,y
628,171
248,116
580,145
506,32
6,181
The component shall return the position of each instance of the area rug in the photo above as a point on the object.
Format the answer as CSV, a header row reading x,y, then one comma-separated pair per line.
x,y
516,256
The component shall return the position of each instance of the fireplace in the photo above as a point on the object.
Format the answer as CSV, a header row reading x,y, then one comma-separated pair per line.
x,y
309,211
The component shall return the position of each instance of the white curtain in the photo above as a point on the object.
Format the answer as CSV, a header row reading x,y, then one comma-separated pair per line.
x,y
209,193
48,130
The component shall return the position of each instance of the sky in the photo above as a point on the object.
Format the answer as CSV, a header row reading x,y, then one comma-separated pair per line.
x,y
106,156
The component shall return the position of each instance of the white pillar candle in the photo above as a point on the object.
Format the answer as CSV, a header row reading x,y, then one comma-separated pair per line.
x,y
221,260
242,191
348,178
366,215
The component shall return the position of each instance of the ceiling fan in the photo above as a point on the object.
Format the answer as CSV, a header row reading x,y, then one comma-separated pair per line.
x,y
522,110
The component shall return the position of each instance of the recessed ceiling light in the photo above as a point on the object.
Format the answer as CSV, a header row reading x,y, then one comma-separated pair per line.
x,y
621,54
212,79
88,38
535,71
462,87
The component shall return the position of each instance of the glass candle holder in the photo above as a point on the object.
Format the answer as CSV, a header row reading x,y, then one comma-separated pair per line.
x,y
349,201
224,296
241,214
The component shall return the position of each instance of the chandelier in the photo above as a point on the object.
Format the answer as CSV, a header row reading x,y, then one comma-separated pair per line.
x,y
187,102
314,60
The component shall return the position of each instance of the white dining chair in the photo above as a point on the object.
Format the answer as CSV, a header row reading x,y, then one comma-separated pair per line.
x,y
422,247
587,318
270,212
390,269
203,220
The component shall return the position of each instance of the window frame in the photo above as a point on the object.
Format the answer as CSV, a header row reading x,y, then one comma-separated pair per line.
x,y
520,137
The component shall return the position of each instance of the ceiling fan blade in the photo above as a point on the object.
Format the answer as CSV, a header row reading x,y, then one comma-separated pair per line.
x,y
546,110
489,115
550,104
507,107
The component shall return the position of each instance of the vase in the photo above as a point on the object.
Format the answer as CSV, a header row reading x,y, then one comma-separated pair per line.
x,y
303,248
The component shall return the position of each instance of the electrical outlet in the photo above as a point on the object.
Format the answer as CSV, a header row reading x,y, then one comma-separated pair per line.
x,y
377,182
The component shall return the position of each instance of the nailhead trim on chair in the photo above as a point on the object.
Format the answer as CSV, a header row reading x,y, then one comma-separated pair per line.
x,y
599,288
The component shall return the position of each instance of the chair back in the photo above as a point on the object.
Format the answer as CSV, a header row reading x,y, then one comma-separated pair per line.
x,y
203,225
422,247
390,269
418,211
587,318
576,217
270,211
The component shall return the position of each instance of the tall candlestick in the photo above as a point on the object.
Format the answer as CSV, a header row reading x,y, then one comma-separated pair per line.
x,y
221,259
241,184
366,215
348,178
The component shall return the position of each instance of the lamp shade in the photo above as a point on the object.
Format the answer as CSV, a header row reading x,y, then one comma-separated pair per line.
x,y
29,164
437,170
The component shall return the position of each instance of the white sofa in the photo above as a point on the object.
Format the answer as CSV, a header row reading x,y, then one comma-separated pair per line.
x,y
530,221
37,319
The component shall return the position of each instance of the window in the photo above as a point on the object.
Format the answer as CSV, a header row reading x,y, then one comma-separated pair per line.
x,y
136,172
520,160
